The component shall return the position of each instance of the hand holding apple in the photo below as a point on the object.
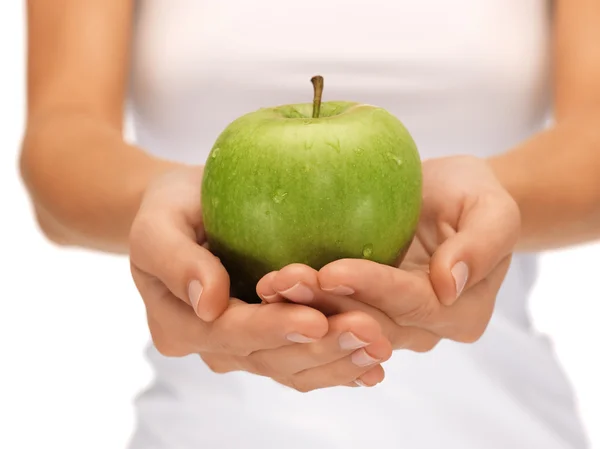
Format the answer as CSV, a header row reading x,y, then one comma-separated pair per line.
x,y
350,354
447,284
186,294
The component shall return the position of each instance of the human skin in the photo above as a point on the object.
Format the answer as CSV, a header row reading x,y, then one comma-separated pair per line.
x,y
86,184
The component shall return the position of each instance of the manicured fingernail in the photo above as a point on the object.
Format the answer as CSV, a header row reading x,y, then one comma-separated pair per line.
x,y
341,290
460,273
299,338
360,383
269,298
350,341
361,358
194,292
298,293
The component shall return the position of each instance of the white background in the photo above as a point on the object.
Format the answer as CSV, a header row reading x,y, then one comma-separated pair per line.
x,y
72,329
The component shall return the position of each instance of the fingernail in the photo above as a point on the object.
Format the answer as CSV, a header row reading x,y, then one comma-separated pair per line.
x,y
194,292
361,358
460,273
298,293
341,290
350,341
360,383
299,338
268,298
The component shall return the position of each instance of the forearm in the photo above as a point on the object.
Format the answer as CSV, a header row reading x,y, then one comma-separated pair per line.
x,y
85,182
555,179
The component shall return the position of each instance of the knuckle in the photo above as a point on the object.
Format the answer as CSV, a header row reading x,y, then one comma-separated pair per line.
x,y
229,346
318,352
222,346
299,385
168,348
261,365
471,334
166,343
242,352
220,276
468,337
421,314
473,328
426,344
215,363
222,343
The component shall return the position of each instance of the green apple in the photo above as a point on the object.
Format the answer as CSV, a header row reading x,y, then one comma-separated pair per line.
x,y
310,183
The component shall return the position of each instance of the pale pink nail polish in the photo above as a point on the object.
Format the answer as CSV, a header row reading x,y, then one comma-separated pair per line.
x,y
362,358
269,298
194,292
350,341
341,290
298,293
299,338
460,273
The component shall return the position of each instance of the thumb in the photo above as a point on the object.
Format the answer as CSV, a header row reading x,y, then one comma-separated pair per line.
x,y
486,233
187,269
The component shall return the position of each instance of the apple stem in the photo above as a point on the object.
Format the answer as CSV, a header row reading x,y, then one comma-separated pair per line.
x,y
317,82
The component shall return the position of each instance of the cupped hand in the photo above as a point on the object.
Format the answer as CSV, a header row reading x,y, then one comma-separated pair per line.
x,y
189,311
447,284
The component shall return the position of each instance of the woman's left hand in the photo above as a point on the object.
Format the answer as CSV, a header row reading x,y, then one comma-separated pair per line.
x,y
446,286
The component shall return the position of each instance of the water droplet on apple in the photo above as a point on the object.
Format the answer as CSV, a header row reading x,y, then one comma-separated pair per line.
x,y
215,152
395,158
367,250
267,212
358,150
279,196
335,145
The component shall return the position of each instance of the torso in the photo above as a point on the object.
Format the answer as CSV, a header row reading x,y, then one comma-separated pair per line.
x,y
465,76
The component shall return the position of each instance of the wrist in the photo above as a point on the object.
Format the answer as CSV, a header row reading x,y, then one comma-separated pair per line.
x,y
148,169
505,173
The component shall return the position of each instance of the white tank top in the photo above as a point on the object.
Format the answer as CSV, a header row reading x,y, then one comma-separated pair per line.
x,y
465,76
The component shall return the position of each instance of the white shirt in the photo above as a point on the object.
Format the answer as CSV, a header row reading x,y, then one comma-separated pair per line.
x,y
465,76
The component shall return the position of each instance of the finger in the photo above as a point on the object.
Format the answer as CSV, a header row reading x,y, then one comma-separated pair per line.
x,y
371,378
245,328
265,290
173,325
241,329
299,283
347,332
168,251
295,282
375,300
402,295
221,363
487,232
343,371
467,319
403,302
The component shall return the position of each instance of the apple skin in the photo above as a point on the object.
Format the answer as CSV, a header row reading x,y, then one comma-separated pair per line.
x,y
281,187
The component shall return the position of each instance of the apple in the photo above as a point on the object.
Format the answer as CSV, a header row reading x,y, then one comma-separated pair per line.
x,y
310,183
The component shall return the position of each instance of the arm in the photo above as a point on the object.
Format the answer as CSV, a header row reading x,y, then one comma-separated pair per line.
x,y
555,176
84,180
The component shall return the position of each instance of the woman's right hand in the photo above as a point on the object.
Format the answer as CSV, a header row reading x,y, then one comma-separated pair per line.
x,y
186,293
